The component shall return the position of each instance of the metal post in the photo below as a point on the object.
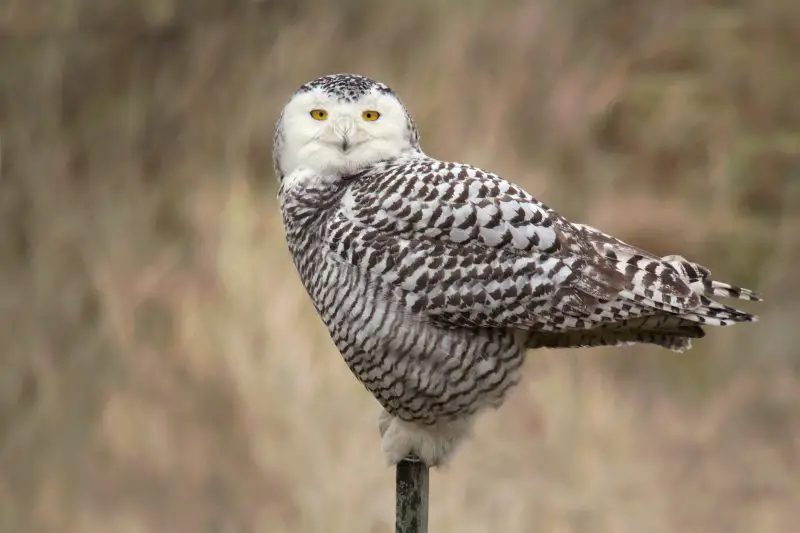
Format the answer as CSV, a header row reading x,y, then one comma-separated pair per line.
x,y
412,496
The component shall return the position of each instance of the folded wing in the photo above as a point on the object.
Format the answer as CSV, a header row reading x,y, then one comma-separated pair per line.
x,y
466,248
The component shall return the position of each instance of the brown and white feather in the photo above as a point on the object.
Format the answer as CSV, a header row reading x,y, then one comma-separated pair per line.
x,y
434,277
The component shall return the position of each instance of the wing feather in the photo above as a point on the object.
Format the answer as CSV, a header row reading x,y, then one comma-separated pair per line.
x,y
468,249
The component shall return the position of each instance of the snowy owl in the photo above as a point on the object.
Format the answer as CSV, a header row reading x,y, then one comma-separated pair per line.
x,y
434,278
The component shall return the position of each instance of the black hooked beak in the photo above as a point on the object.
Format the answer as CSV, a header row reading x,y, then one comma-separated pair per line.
x,y
344,127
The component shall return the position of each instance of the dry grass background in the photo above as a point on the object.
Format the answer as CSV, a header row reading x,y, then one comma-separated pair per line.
x,y
162,370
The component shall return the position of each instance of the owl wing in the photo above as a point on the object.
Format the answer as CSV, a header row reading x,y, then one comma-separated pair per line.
x,y
466,248
696,277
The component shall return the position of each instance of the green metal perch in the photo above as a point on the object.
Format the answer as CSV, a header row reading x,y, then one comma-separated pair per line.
x,y
412,496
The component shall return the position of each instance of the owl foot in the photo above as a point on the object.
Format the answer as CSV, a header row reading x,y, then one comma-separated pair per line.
x,y
433,444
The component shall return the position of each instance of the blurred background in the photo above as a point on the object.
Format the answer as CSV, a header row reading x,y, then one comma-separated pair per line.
x,y
162,370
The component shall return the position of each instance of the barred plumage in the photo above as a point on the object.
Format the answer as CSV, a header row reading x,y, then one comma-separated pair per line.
x,y
434,277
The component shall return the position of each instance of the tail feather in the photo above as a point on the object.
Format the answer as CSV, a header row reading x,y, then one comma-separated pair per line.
x,y
672,283
724,290
700,280
707,312
654,280
663,300
716,314
677,340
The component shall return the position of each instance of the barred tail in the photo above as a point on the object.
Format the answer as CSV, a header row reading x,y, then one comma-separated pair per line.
x,y
677,338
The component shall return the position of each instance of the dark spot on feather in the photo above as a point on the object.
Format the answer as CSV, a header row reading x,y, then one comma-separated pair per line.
x,y
519,217
454,299
453,276
447,221
394,206
372,261
416,217
437,212
471,219
417,262
495,220
393,187
420,304
347,241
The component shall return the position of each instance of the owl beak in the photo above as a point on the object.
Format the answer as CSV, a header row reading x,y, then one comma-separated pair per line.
x,y
344,128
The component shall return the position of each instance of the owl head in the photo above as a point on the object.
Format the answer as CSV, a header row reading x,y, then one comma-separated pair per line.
x,y
341,123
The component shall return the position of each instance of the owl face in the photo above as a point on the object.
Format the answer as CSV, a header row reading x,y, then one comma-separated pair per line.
x,y
340,124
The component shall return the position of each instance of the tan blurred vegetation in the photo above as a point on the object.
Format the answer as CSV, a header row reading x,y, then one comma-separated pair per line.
x,y
162,370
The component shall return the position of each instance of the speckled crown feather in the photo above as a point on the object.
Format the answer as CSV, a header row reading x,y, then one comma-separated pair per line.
x,y
345,87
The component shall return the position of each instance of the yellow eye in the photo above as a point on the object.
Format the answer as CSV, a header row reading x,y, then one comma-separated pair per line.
x,y
370,116
319,114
